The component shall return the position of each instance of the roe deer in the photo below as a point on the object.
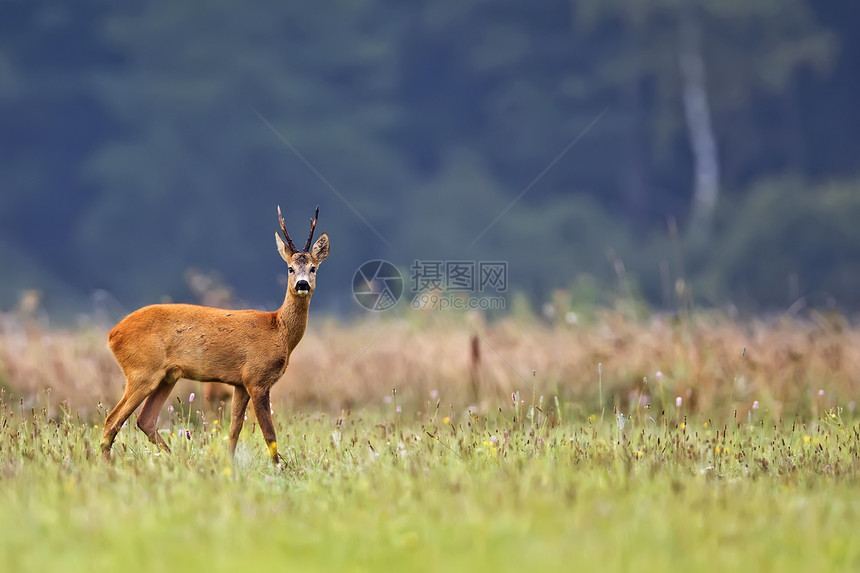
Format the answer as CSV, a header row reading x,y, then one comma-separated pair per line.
x,y
214,395
247,349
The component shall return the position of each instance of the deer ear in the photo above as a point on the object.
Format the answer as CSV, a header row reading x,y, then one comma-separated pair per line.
x,y
282,248
320,249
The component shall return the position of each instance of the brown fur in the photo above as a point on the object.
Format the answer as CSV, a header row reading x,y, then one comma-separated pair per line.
x,y
247,349
214,396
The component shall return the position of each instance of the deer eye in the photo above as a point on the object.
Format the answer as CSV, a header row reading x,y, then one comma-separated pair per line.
x,y
292,270
313,269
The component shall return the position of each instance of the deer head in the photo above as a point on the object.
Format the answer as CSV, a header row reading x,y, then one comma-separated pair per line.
x,y
301,265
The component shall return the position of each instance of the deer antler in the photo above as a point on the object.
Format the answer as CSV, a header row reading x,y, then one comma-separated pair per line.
x,y
313,226
284,231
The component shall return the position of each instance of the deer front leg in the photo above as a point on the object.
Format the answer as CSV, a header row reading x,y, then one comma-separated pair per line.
x,y
263,411
237,415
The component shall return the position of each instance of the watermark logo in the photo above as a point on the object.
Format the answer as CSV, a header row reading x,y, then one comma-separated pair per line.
x,y
377,285
434,284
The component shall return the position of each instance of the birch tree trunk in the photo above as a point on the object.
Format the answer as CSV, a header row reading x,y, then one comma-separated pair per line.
x,y
706,184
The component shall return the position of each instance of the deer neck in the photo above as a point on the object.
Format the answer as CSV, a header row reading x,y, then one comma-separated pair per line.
x,y
293,318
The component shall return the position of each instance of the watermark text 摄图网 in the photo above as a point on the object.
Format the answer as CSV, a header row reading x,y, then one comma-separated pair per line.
x,y
434,284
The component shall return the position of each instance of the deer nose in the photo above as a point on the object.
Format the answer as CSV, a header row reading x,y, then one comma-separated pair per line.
x,y
303,286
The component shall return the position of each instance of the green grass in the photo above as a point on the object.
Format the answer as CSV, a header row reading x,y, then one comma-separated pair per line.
x,y
382,491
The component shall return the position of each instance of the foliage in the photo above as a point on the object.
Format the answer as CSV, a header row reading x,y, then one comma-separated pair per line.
x,y
801,242
146,139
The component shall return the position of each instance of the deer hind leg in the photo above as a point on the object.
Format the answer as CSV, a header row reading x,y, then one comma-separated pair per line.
x,y
147,421
136,391
237,417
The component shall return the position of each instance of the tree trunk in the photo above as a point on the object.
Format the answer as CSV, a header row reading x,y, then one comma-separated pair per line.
x,y
706,187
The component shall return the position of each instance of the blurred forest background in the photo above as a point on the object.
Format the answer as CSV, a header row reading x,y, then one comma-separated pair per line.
x,y
703,152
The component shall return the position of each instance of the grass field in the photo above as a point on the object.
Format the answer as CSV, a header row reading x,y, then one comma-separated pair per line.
x,y
389,491
758,468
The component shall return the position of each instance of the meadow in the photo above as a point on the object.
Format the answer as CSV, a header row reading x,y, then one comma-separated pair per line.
x,y
617,444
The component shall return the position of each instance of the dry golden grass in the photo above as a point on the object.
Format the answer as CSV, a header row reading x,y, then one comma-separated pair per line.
x,y
791,368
